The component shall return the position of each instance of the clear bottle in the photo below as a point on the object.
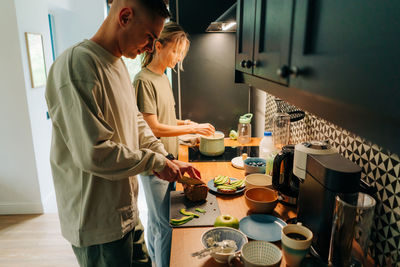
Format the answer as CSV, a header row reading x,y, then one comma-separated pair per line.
x,y
244,128
267,151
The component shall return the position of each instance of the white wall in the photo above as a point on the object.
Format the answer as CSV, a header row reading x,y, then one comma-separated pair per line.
x,y
75,20
19,187
26,184
258,99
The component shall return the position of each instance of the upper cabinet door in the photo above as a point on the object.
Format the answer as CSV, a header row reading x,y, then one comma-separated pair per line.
x,y
348,51
245,35
272,39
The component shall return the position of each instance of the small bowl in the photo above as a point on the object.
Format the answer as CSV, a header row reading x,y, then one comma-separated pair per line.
x,y
261,199
262,253
254,169
224,233
258,180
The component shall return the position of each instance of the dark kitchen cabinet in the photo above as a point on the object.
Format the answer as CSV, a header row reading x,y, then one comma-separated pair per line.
x,y
342,61
263,37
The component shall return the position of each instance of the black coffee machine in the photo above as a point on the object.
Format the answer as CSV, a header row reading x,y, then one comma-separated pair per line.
x,y
283,179
326,177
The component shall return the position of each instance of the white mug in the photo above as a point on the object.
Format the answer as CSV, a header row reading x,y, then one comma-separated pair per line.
x,y
296,242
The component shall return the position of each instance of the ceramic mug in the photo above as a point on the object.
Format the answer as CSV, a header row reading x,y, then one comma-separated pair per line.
x,y
258,254
296,242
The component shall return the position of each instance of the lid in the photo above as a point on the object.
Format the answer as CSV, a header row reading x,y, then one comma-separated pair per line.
x,y
334,172
267,134
246,118
317,145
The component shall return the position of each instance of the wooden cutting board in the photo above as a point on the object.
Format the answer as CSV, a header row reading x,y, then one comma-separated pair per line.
x,y
210,205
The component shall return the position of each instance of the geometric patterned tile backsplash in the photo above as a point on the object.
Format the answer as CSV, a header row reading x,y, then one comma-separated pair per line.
x,y
380,168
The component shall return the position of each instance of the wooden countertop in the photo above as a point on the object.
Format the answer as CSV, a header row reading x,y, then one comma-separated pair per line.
x,y
187,240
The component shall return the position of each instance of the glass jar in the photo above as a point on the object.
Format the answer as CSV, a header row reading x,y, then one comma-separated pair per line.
x,y
244,128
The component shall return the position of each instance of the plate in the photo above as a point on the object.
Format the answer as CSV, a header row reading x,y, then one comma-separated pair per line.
x,y
262,227
237,162
213,188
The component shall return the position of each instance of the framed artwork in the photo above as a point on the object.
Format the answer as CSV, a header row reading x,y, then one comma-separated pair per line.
x,y
37,65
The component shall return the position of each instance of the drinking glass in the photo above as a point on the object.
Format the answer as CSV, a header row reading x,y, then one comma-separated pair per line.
x,y
281,130
351,230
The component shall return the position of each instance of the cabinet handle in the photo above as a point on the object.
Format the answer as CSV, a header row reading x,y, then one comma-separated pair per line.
x,y
294,71
246,64
285,71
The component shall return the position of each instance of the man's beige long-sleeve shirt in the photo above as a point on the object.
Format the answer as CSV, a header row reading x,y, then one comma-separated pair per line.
x,y
100,142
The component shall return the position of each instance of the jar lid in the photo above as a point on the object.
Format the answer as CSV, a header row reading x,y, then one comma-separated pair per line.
x,y
267,133
246,118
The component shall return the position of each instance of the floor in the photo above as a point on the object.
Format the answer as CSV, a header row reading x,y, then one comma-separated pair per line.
x,y
33,240
36,241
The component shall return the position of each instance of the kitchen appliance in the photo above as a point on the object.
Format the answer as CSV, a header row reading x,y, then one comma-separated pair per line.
x,y
212,145
225,23
326,176
229,153
303,149
283,179
351,230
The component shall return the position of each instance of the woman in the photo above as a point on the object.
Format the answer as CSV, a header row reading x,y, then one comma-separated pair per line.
x,y
156,102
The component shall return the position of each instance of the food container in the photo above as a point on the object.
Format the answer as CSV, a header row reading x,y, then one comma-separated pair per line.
x,y
261,199
224,233
258,254
254,165
212,145
258,180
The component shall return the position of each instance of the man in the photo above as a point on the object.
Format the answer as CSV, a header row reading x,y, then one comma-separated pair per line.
x,y
100,140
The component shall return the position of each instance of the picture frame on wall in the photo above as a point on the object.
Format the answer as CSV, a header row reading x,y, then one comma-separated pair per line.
x,y
37,64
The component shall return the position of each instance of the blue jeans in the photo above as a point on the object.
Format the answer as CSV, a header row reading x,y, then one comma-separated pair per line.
x,y
159,232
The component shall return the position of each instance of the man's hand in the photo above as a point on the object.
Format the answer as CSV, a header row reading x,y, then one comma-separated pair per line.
x,y
174,170
170,173
188,168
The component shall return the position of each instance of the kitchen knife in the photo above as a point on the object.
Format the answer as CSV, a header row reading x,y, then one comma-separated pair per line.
x,y
190,181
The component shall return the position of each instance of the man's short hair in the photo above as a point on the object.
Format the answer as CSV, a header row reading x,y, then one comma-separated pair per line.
x,y
158,7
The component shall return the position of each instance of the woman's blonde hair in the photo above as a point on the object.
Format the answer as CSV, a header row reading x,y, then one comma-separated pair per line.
x,y
172,33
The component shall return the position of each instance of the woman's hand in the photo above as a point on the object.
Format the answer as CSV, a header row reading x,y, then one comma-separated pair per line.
x,y
203,128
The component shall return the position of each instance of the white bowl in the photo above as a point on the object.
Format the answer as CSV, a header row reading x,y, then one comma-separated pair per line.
x,y
224,233
261,253
258,180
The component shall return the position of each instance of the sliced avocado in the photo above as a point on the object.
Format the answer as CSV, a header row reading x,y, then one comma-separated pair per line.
x,y
220,180
189,213
181,221
200,210
238,183
231,187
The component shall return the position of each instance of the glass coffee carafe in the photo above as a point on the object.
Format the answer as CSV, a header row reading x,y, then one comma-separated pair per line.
x,y
351,231
281,130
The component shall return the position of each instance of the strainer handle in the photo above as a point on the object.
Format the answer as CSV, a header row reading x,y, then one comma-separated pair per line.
x,y
237,255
